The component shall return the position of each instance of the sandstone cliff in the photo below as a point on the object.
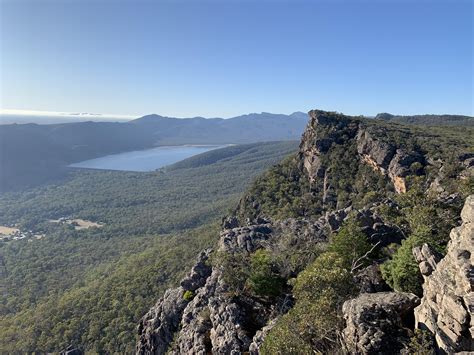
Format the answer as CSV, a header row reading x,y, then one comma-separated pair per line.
x,y
447,306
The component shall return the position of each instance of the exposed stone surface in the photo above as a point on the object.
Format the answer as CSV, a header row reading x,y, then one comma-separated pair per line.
x,y
376,153
377,323
370,280
259,337
387,158
246,239
447,305
326,129
217,321
157,327
313,145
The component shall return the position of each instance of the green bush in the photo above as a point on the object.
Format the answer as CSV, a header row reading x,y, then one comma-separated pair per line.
x,y
314,323
235,269
422,343
351,244
264,278
188,295
423,222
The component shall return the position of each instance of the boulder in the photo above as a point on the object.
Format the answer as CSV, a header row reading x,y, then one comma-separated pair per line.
x,y
378,323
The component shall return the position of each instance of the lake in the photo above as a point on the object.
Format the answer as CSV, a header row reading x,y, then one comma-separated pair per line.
x,y
145,160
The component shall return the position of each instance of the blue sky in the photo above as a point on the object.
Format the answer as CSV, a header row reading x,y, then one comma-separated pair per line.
x,y
224,58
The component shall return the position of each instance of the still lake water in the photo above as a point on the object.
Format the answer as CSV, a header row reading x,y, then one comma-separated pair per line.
x,y
145,160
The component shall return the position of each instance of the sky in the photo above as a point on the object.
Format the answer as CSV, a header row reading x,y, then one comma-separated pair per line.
x,y
226,58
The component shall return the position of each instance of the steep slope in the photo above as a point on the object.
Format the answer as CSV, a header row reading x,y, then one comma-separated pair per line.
x,y
309,235
447,306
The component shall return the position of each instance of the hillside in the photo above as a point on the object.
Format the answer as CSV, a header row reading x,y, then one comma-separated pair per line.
x,y
90,287
318,255
32,154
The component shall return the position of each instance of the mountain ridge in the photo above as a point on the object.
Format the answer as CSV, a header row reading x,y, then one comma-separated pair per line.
x,y
308,247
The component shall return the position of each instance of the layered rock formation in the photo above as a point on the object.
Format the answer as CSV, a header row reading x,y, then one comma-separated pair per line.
x,y
378,323
447,306
326,129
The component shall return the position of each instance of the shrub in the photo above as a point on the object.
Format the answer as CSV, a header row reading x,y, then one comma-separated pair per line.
x,y
314,323
188,295
402,272
421,343
235,269
350,243
264,279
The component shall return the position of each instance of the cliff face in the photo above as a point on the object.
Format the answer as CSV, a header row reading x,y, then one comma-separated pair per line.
x,y
447,306
328,129
205,315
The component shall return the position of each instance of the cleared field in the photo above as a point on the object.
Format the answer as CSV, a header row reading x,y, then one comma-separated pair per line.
x,y
8,230
83,224
78,223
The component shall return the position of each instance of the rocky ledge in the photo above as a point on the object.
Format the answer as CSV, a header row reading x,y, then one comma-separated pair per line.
x,y
201,315
447,306
378,323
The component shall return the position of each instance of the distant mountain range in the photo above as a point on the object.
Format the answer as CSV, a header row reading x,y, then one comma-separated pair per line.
x,y
31,154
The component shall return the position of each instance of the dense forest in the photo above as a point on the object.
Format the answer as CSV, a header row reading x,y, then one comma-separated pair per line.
x,y
432,120
89,287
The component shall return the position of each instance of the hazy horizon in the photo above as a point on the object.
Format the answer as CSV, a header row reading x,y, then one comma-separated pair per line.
x,y
214,59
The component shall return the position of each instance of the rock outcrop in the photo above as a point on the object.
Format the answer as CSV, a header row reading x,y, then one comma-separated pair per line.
x,y
387,158
214,320
157,327
327,128
204,315
378,323
323,130
447,305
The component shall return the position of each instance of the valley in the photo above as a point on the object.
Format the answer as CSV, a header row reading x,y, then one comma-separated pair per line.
x,y
95,283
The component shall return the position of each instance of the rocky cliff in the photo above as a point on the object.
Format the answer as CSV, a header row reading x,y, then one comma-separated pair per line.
x,y
202,315
342,162
447,306
325,130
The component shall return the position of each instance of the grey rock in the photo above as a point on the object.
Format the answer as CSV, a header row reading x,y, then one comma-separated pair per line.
x,y
157,327
244,239
199,272
370,280
379,152
447,305
427,258
378,323
259,337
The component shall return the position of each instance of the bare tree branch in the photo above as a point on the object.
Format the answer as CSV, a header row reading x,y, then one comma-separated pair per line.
x,y
358,262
